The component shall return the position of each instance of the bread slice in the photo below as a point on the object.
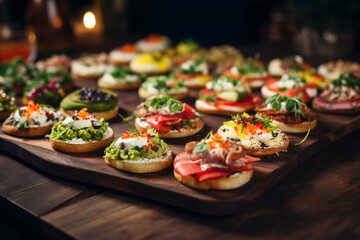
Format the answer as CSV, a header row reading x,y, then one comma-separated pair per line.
x,y
105,115
145,94
143,165
26,132
296,127
233,181
118,86
202,106
184,132
88,146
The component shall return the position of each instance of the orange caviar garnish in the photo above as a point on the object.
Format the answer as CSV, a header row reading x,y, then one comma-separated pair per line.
x,y
83,114
30,109
128,135
154,38
128,48
217,139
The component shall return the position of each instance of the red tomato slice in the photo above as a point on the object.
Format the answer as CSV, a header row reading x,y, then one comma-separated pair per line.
x,y
158,121
184,76
251,99
229,74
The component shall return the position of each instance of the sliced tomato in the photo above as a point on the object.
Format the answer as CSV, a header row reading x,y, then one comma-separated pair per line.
x,y
184,76
251,99
158,121
291,92
234,76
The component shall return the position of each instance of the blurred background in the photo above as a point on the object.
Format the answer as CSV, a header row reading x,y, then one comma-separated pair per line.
x,y
325,29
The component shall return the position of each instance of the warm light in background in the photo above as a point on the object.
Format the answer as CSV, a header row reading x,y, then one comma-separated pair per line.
x,y
89,20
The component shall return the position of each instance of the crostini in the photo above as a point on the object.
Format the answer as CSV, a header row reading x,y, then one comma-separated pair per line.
x,y
120,78
139,152
153,43
290,86
7,105
34,120
122,55
341,96
100,102
213,163
89,66
43,89
289,114
151,64
80,132
258,135
159,85
168,116
226,96
195,74
250,72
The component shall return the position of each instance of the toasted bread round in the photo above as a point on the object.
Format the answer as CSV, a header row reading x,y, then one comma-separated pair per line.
x,y
222,183
87,77
297,127
142,165
118,62
268,151
201,105
26,132
335,111
5,115
105,115
184,132
82,147
145,94
118,86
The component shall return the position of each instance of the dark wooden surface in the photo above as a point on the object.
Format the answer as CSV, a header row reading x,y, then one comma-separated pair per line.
x,y
162,186
319,200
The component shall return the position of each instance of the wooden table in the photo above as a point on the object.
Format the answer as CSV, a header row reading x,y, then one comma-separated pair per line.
x,y
319,200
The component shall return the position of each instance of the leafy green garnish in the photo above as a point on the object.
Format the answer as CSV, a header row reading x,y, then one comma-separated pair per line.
x,y
166,101
347,80
250,68
207,98
201,147
245,119
307,134
291,104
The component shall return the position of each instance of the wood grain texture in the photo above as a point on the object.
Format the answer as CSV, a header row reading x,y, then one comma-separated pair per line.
x,y
320,200
162,186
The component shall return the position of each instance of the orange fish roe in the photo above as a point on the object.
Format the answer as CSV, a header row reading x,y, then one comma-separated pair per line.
x,y
128,48
217,139
154,38
128,135
30,109
83,114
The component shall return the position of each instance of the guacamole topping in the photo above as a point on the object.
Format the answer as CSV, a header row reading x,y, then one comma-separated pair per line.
x,y
134,145
80,126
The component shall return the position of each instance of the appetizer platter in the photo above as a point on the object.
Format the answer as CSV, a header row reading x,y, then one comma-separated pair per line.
x,y
213,154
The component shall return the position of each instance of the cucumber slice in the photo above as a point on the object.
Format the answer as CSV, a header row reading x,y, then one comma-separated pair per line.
x,y
231,96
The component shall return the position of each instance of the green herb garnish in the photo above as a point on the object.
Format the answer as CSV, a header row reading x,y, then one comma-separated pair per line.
x,y
291,104
307,134
166,101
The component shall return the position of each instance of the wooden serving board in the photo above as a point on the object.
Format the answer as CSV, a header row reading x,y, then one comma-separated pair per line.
x,y
162,186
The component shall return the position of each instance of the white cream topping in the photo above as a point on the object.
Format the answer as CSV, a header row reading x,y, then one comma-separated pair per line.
x,y
146,46
202,104
121,56
254,141
130,143
37,119
80,124
142,124
311,92
282,109
287,82
224,84
201,68
81,69
266,92
108,78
